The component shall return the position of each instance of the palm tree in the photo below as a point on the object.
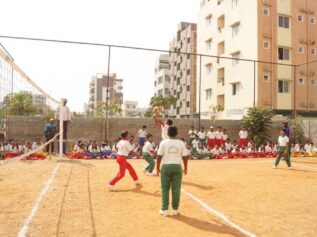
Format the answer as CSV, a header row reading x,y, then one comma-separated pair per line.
x,y
258,122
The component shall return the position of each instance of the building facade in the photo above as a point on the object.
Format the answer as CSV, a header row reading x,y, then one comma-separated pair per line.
x,y
98,89
131,110
277,31
162,76
183,71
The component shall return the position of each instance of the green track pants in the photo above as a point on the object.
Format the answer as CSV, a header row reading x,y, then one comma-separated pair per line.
x,y
150,161
280,155
171,177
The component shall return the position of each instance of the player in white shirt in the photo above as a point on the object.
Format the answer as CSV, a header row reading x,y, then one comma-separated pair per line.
x,y
191,134
219,137
124,149
202,136
211,136
164,126
195,143
142,134
243,137
228,146
171,152
224,136
283,141
147,153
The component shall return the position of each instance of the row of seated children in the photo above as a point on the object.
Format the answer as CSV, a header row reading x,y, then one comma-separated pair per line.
x,y
104,150
14,148
231,150
307,150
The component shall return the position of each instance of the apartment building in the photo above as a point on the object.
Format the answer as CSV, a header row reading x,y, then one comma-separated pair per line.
x,y
183,71
162,76
279,31
98,89
131,110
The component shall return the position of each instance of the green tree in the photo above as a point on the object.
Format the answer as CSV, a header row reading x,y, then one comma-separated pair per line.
x,y
148,112
115,108
297,130
215,109
20,103
163,102
258,122
100,110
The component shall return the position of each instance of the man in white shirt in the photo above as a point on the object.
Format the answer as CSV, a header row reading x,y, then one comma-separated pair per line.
x,y
171,152
283,141
164,126
219,137
202,136
65,115
243,137
211,135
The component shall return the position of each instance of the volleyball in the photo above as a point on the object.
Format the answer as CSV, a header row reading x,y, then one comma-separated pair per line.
x,y
156,111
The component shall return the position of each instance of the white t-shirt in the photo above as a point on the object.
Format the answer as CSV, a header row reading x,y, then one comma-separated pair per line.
x,y
201,135
211,135
219,135
172,151
93,149
124,147
243,134
195,144
164,131
192,133
282,141
142,133
224,137
148,147
268,149
228,146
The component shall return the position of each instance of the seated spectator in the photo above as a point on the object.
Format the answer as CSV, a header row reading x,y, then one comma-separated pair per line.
x,y
228,148
93,150
217,152
105,149
195,143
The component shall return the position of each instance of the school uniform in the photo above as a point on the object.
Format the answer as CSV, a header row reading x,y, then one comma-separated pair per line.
x,y
147,155
243,138
202,137
142,134
283,145
211,136
172,151
219,139
124,148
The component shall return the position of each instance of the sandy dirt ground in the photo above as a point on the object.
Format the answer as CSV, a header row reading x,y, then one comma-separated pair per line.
x,y
261,200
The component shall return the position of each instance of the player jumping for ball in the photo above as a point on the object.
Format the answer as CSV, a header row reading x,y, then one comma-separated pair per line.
x,y
171,152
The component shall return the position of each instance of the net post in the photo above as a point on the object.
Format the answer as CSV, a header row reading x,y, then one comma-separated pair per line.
x,y
61,129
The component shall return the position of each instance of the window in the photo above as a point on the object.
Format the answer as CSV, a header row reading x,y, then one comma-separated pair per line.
x,y
266,77
160,80
188,40
301,49
313,51
283,21
283,86
300,81
188,104
313,82
312,20
188,72
188,88
235,29
266,11
188,56
208,94
208,20
208,68
266,44
235,57
300,18
283,53
234,88
208,45
234,3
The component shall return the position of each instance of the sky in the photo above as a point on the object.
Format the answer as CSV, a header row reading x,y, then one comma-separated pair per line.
x,y
64,70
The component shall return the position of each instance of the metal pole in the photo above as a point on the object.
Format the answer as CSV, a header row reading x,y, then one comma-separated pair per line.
x,y
254,80
61,129
11,99
199,106
294,85
107,96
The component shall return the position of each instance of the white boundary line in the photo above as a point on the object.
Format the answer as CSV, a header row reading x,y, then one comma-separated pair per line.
x,y
27,222
218,214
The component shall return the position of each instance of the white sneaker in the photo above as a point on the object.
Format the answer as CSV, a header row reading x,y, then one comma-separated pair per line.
x,y
164,213
290,168
137,182
175,213
148,174
111,187
274,167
